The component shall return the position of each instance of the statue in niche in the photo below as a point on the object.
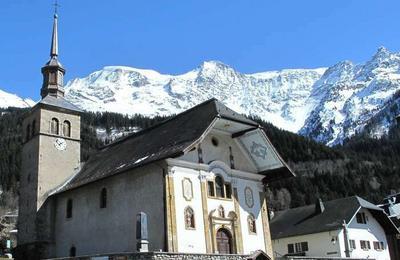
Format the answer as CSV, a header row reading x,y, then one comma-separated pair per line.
x,y
221,212
189,218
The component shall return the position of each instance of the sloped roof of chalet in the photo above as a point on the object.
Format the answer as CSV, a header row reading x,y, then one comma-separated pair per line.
x,y
304,220
168,139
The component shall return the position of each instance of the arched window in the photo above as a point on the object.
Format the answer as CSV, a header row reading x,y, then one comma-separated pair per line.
x,y
28,132
67,128
103,198
221,212
33,128
54,126
69,208
72,251
219,186
251,223
189,218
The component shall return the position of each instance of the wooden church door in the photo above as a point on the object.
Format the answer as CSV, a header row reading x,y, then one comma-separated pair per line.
x,y
224,241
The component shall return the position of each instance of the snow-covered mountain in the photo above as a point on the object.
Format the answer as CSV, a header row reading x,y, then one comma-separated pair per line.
x,y
12,100
327,104
277,96
352,96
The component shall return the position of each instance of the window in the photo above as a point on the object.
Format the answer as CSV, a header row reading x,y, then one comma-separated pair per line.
x,y
69,208
352,244
219,187
52,77
33,128
378,246
211,189
28,132
290,248
304,246
67,128
54,129
298,247
228,190
361,218
189,218
103,198
72,251
251,223
365,245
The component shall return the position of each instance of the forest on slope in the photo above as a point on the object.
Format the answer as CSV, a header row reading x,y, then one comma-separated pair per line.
x,y
362,166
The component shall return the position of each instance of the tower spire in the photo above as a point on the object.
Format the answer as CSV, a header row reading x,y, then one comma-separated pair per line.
x,y
53,72
54,38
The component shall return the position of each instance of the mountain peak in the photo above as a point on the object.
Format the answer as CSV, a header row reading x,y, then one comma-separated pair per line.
x,y
328,105
381,54
12,100
382,50
214,65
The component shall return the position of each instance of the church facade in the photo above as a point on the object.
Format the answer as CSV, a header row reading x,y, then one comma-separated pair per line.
x,y
200,177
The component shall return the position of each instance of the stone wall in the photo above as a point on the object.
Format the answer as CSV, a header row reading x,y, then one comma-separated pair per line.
x,y
319,258
158,256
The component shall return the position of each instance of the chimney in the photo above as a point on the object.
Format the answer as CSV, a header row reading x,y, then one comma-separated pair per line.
x,y
319,206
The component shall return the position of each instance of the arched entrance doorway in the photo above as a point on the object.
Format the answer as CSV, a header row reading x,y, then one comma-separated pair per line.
x,y
224,241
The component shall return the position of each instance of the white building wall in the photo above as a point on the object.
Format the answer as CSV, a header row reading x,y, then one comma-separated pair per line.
x,y
194,240
319,244
189,240
372,231
251,242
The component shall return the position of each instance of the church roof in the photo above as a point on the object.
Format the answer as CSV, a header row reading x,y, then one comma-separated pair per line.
x,y
58,102
306,220
168,139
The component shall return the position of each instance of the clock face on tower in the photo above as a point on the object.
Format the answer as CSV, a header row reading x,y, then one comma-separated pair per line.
x,y
60,144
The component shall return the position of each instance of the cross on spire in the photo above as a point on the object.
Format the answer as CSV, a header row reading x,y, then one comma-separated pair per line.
x,y
56,5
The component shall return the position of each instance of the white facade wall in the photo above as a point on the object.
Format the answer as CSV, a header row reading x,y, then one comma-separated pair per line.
x,y
372,231
189,241
251,242
319,244
194,241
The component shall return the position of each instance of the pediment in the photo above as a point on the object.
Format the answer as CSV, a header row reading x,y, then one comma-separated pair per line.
x,y
260,150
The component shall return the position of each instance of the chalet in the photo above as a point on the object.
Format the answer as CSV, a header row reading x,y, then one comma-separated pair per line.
x,y
348,227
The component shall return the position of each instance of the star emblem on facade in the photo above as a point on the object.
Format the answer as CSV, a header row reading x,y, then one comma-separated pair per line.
x,y
258,150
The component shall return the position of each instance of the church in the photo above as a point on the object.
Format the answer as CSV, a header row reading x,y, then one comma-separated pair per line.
x,y
200,177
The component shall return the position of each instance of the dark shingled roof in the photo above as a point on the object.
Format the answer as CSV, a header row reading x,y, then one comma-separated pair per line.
x,y
58,102
305,220
166,140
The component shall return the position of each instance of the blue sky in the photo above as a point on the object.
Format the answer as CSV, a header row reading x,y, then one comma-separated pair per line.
x,y
176,36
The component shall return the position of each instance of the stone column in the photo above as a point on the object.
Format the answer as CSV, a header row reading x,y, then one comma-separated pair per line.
x,y
172,241
207,235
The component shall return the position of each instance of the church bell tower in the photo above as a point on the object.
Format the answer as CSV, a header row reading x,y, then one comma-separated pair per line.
x,y
53,72
50,154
